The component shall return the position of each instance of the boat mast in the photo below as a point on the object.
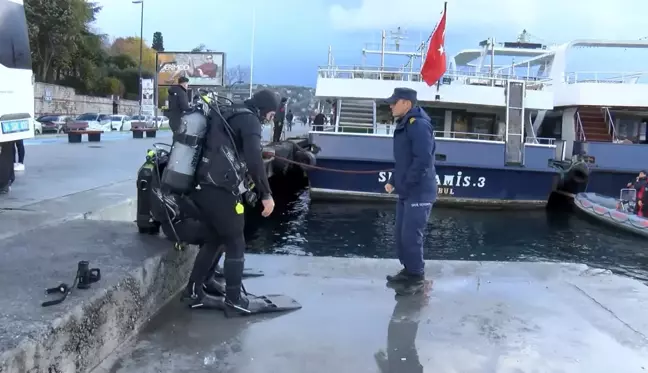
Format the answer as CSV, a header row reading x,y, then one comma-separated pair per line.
x,y
383,49
383,42
492,61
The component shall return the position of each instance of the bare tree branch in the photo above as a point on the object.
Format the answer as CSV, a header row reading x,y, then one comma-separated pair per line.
x,y
237,75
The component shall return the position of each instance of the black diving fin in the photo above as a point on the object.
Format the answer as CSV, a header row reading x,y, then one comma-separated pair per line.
x,y
255,304
247,272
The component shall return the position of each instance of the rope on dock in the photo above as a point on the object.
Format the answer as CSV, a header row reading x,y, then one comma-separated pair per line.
x,y
312,167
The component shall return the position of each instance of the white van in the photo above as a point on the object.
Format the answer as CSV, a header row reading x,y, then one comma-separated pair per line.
x,y
17,88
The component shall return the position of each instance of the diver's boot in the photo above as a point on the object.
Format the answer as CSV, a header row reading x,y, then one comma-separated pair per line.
x,y
197,298
192,293
239,304
214,287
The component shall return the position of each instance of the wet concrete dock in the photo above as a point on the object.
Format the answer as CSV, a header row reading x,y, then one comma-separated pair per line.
x,y
75,202
477,317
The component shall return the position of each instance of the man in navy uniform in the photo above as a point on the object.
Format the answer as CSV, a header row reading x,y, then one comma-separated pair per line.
x,y
414,180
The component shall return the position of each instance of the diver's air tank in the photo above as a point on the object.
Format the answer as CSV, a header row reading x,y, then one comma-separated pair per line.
x,y
178,177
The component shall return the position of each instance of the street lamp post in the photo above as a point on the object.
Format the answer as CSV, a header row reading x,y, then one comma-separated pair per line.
x,y
141,2
252,47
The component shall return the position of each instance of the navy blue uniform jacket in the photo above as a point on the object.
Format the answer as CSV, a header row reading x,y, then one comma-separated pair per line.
x,y
414,173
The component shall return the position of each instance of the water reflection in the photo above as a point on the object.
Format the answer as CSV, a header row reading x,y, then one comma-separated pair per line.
x,y
365,230
402,355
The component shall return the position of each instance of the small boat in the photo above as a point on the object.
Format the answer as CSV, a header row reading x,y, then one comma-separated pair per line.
x,y
618,213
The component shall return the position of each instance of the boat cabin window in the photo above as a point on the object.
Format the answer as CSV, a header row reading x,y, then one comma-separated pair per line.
x,y
437,118
551,127
628,128
476,126
383,114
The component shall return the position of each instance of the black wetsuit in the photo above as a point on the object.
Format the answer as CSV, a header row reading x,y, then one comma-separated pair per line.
x,y
178,105
218,208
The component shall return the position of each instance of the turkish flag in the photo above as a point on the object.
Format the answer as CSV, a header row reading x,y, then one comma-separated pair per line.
x,y
435,62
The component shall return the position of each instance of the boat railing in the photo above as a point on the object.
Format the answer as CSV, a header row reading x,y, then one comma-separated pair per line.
x,y
403,74
610,123
604,77
388,130
532,140
456,135
580,132
627,200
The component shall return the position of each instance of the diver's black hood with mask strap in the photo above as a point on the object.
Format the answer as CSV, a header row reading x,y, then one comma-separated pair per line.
x,y
264,101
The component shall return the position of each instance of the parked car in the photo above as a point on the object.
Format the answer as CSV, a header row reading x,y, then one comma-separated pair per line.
x,y
38,128
53,123
162,122
142,121
89,121
120,123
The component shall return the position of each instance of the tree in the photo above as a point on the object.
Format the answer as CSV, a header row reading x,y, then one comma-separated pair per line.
x,y
56,28
163,96
130,46
236,75
200,48
66,51
158,41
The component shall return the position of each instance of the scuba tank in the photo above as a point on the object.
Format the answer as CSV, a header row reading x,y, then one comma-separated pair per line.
x,y
178,176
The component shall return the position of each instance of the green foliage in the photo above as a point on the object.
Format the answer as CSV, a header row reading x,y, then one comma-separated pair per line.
x,y
163,95
66,50
158,41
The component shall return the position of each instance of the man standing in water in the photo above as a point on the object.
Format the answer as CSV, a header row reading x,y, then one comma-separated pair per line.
x,y
414,179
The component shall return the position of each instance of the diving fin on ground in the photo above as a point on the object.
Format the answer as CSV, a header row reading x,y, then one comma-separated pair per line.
x,y
255,304
247,272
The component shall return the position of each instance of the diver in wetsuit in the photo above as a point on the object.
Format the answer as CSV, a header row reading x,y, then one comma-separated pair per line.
x,y
639,181
222,210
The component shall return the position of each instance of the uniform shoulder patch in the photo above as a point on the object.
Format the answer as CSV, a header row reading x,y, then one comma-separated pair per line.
x,y
412,120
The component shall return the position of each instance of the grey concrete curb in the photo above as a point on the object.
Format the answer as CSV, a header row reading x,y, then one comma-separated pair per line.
x,y
80,340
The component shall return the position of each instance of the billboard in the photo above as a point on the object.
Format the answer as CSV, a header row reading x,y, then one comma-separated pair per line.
x,y
202,68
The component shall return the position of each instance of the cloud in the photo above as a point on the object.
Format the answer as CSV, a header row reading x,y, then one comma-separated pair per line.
x,y
554,20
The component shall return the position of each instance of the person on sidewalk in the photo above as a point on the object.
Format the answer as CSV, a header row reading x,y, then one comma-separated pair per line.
x,y
6,166
178,103
279,119
19,161
414,179
289,120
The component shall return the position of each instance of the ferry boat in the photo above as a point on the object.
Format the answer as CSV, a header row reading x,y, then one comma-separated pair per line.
x,y
498,128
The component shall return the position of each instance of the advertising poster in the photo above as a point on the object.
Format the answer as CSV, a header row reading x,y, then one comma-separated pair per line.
x,y
148,97
202,68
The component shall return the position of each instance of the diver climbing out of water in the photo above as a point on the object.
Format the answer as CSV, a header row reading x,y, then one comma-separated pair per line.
x,y
641,179
220,203
642,200
639,184
414,180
